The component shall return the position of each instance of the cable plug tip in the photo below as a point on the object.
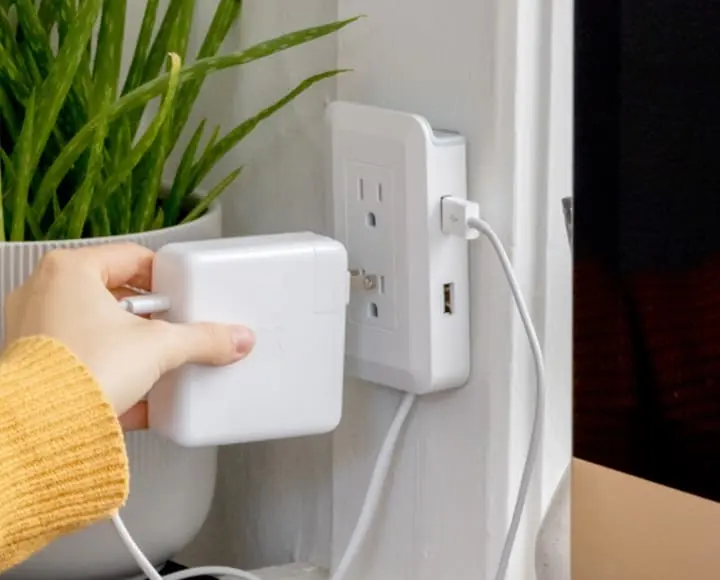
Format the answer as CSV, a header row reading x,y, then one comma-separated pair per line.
x,y
456,215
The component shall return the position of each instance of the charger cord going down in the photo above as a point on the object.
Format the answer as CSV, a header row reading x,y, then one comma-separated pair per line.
x,y
357,538
462,218
152,574
531,459
374,492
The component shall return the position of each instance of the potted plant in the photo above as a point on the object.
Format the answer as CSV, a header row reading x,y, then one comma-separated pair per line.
x,y
79,166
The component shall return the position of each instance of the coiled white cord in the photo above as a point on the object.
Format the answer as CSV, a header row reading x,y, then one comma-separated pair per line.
x,y
357,538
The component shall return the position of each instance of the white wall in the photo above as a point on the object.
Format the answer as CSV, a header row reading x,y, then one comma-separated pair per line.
x,y
478,68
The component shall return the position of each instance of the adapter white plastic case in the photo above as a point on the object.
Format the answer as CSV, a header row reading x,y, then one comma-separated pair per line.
x,y
408,318
292,290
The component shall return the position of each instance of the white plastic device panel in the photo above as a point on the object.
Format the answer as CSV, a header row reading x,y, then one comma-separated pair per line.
x,y
408,318
292,290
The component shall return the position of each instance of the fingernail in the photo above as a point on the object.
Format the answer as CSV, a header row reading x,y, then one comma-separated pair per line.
x,y
244,340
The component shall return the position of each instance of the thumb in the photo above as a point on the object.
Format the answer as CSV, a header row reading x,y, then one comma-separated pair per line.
x,y
205,344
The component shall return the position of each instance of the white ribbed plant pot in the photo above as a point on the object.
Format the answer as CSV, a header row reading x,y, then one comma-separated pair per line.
x,y
171,487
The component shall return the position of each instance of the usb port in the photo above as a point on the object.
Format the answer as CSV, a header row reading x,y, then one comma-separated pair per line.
x,y
448,298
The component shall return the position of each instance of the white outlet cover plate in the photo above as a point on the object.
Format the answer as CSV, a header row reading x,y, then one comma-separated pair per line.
x,y
409,329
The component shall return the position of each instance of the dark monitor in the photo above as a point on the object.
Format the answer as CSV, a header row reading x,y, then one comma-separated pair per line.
x,y
646,229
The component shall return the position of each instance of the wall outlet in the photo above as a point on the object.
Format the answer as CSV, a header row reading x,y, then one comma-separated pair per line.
x,y
408,318
370,230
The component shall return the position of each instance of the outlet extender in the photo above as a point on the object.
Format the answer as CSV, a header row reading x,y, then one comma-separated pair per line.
x,y
292,291
408,317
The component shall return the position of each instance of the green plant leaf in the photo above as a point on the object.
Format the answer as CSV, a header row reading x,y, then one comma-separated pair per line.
x,y
38,57
47,14
34,226
108,54
60,77
126,166
83,76
142,46
12,77
227,143
99,223
34,34
226,13
141,95
161,46
62,13
213,138
9,171
152,132
9,115
163,39
9,43
106,74
158,221
122,144
178,43
182,176
65,14
83,195
211,196
30,66
149,179
9,181
181,31
21,183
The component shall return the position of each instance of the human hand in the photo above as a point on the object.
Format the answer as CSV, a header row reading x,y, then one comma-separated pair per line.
x,y
73,295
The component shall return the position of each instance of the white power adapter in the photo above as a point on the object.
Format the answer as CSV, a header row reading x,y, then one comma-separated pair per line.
x,y
292,291
408,318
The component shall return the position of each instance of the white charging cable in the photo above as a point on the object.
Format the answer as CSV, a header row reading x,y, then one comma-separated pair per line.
x,y
357,538
484,228
461,218
152,574
374,492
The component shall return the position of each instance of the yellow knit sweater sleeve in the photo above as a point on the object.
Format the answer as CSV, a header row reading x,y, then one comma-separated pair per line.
x,y
62,454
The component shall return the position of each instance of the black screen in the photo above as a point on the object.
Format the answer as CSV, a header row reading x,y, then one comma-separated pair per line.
x,y
647,240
